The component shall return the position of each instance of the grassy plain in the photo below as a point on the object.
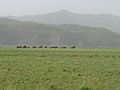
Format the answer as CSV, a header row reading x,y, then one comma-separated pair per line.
x,y
59,69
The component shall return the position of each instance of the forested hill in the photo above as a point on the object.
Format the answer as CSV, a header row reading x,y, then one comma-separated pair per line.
x,y
13,32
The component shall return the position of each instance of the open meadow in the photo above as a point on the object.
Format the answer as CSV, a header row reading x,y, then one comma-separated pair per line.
x,y
59,69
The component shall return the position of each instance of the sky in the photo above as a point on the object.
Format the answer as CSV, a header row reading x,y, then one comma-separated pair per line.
x,y
36,7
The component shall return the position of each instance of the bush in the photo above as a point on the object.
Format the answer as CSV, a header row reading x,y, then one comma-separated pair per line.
x,y
85,88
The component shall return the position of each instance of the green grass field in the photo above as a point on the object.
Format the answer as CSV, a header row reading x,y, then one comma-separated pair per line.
x,y
59,69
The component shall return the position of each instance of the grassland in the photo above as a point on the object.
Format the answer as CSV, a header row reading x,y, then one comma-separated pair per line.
x,y
59,69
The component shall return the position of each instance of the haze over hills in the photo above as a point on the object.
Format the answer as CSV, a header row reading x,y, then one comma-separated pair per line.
x,y
65,17
13,32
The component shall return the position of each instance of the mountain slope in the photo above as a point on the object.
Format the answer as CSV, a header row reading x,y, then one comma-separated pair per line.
x,y
13,32
65,17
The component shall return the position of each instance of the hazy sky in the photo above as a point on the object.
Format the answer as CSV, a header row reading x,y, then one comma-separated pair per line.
x,y
33,7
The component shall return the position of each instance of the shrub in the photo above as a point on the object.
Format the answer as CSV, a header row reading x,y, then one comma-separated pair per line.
x,y
85,88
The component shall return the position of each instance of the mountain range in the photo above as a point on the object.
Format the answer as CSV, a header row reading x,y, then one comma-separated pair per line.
x,y
66,17
15,32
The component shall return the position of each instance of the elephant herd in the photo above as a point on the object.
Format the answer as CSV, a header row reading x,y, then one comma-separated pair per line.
x,y
25,46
